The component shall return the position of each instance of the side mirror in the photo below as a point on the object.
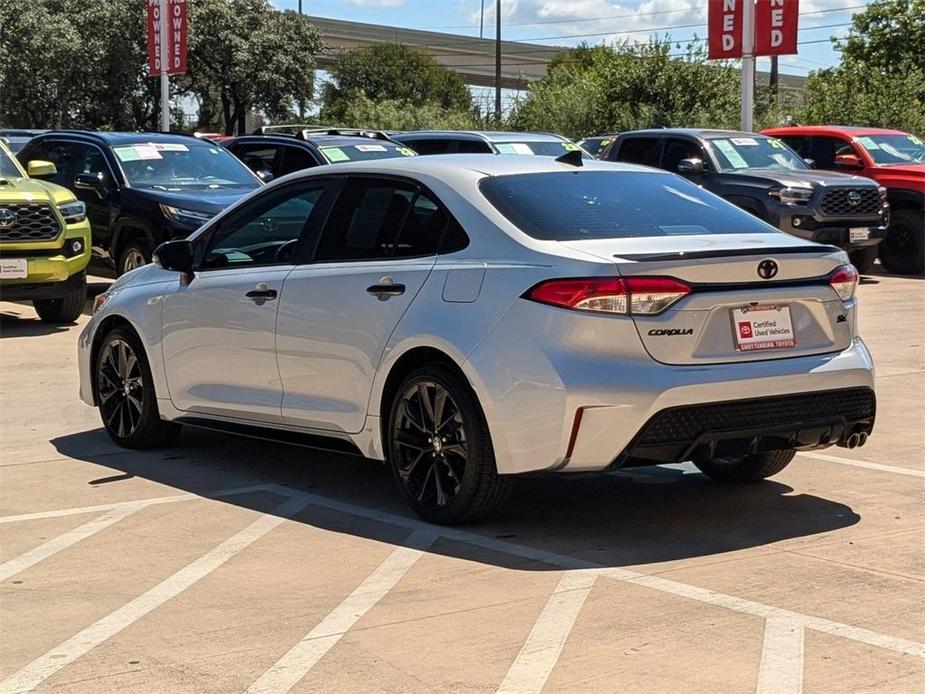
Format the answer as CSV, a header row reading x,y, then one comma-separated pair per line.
x,y
40,169
848,161
91,181
176,256
264,175
811,163
694,165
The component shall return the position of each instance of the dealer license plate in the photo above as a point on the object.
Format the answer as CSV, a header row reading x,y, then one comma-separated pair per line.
x,y
14,268
767,326
858,234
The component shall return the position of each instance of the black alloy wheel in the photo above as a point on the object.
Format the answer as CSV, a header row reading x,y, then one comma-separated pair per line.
x,y
440,449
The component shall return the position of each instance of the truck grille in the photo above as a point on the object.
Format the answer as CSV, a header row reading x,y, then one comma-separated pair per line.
x,y
34,221
849,202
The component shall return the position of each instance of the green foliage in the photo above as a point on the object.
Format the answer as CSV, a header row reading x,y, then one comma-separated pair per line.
x,y
393,114
614,88
881,81
244,55
392,73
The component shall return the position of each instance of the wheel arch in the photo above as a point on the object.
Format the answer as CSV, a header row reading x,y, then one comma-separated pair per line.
x,y
125,231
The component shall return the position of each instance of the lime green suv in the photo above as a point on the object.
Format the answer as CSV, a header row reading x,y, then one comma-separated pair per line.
x,y
44,241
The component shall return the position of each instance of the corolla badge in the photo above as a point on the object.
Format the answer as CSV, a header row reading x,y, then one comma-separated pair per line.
x,y
7,218
767,269
854,198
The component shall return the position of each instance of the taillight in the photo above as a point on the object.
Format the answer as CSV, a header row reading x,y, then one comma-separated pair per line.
x,y
844,280
629,295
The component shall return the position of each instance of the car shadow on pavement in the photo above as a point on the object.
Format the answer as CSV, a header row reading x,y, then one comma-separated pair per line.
x,y
26,325
630,518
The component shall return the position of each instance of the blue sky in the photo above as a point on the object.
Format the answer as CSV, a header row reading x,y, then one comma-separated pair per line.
x,y
567,22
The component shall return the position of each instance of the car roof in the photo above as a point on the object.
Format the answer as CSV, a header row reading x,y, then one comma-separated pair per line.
x,y
440,165
125,138
487,135
704,133
853,130
311,142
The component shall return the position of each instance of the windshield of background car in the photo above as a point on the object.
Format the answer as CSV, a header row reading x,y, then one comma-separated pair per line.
x,y
543,148
889,150
8,167
362,152
595,145
572,206
735,153
176,166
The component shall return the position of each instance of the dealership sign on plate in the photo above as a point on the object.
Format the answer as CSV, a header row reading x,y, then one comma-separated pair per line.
x,y
176,36
775,27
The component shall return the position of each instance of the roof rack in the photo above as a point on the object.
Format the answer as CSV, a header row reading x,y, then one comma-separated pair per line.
x,y
306,133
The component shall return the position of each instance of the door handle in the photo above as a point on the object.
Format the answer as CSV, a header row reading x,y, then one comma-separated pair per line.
x,y
261,293
386,289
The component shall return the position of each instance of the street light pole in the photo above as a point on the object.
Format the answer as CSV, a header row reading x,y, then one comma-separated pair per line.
x,y
497,62
165,80
481,21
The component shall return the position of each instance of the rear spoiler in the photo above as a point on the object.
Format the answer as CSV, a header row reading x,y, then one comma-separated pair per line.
x,y
731,253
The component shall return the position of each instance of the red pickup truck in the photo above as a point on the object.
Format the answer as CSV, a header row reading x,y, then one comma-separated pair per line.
x,y
896,160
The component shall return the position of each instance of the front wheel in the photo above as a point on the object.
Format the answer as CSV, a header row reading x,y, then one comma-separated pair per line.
x,y
125,393
65,309
440,450
902,252
135,254
745,469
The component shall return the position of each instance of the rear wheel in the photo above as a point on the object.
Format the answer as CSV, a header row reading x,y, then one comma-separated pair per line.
x,y
66,309
745,469
133,255
902,252
125,393
440,450
863,259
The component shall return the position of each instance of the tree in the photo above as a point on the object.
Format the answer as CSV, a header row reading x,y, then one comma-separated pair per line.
x,y
396,73
881,79
249,56
392,114
614,88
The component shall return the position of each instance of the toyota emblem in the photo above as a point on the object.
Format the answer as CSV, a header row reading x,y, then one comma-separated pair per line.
x,y
854,198
767,269
7,218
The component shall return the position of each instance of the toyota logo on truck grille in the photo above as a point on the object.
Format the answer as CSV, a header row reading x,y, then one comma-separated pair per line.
x,y
7,218
854,198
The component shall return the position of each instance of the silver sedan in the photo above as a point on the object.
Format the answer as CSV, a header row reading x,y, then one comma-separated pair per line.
x,y
471,318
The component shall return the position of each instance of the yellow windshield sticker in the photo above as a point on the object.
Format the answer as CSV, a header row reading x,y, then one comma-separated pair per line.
x,y
570,147
776,144
914,140
406,152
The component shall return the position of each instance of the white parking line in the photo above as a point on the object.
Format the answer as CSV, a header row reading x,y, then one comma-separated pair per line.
x,y
84,641
895,469
541,650
781,669
47,549
292,667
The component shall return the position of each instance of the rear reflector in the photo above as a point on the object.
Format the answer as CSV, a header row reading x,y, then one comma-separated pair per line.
x,y
844,280
629,295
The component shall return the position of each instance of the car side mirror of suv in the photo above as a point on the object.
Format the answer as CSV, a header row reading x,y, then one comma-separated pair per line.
x,y
40,169
848,161
176,256
811,163
694,165
91,181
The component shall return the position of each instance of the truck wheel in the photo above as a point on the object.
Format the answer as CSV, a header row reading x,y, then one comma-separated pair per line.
x,y
863,259
134,254
749,468
67,309
902,252
440,450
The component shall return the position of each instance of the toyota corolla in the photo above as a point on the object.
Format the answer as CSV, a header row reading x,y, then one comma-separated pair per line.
x,y
472,318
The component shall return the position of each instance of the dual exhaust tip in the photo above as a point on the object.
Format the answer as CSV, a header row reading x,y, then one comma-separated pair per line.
x,y
856,440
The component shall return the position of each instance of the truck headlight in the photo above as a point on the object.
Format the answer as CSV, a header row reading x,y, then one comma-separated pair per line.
x,y
182,216
793,196
73,212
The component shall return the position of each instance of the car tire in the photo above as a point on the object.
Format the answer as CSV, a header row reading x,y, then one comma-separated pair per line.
x,y
745,469
863,259
66,309
440,450
125,393
133,254
902,252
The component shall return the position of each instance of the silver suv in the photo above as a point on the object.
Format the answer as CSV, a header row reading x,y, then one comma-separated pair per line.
x,y
470,318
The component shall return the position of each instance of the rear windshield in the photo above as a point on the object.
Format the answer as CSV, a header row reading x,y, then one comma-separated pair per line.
x,y
570,206
362,152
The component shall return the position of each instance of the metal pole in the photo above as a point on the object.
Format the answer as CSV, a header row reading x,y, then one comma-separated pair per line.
x,y
301,100
165,83
482,22
497,61
773,82
748,65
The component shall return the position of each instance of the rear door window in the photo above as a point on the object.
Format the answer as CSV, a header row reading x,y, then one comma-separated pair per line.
x,y
576,205
429,146
639,150
295,159
259,158
677,149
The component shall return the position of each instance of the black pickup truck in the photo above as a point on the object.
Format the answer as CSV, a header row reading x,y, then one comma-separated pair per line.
x,y
765,177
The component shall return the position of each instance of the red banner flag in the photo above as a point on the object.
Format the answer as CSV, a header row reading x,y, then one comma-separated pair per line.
x,y
154,37
177,37
724,23
776,27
